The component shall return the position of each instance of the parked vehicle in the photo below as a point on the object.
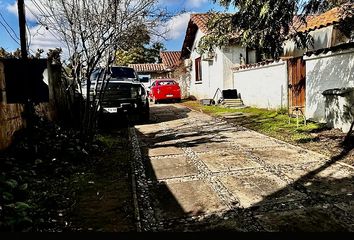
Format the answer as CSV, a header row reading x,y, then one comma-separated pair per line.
x,y
123,92
164,90
145,80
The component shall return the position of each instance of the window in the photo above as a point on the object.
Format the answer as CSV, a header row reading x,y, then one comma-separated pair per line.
x,y
198,70
161,83
123,72
144,78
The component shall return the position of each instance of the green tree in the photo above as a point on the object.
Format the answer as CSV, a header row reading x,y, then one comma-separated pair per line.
x,y
140,54
264,25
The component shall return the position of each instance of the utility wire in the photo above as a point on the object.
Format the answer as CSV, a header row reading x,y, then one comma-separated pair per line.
x,y
39,21
9,26
16,40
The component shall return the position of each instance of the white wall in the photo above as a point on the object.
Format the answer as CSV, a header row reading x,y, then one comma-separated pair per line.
x,y
322,38
263,87
231,57
216,73
323,72
212,78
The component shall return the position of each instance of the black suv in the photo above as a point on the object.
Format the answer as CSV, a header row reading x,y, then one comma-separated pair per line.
x,y
123,93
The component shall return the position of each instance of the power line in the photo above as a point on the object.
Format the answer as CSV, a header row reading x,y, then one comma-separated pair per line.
x,y
16,40
9,25
39,21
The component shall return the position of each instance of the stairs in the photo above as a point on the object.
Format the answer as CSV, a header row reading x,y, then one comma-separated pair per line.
x,y
232,103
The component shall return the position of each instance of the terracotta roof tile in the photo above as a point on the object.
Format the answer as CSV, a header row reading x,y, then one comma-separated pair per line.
x,y
330,17
148,67
170,59
201,20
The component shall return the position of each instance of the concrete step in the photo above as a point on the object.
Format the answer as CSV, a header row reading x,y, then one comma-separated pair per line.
x,y
227,104
234,106
231,101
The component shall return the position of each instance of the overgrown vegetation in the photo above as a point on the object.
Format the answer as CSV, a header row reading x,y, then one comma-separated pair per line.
x,y
42,179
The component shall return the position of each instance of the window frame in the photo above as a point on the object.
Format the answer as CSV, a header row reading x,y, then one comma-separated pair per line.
x,y
198,69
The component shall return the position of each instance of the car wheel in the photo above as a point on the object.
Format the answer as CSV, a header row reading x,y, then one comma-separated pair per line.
x,y
155,101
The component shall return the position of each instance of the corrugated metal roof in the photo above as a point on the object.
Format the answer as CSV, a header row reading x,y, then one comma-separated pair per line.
x,y
170,59
148,67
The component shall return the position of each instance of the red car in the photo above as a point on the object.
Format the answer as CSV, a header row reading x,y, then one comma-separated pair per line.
x,y
165,89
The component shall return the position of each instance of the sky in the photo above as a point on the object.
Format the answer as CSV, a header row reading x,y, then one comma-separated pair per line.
x,y
39,37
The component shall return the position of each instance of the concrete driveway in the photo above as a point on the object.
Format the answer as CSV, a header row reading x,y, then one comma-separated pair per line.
x,y
197,173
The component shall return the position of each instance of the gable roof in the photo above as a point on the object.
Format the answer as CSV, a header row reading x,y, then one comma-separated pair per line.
x,y
148,67
328,18
196,21
170,59
201,20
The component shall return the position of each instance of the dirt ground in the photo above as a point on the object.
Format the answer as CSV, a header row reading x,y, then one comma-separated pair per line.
x,y
330,143
105,203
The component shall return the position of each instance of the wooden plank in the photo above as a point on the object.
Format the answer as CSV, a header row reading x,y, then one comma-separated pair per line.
x,y
297,78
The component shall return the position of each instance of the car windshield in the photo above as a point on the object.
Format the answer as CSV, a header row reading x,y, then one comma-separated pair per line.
x,y
162,83
121,72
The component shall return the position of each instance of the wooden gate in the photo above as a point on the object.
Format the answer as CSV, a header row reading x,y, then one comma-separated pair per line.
x,y
297,84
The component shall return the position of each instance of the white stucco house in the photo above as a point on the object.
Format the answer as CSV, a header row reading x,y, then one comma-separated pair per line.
x,y
328,69
316,82
210,71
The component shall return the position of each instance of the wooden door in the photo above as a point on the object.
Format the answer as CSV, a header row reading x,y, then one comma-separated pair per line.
x,y
297,83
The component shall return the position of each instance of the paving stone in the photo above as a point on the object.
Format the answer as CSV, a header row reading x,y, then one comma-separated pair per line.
x,y
195,157
195,139
295,173
176,124
223,161
333,180
240,134
283,155
186,199
172,167
149,129
314,219
210,146
256,142
163,151
260,188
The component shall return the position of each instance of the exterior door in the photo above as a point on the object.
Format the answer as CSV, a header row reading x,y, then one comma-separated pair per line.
x,y
297,84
